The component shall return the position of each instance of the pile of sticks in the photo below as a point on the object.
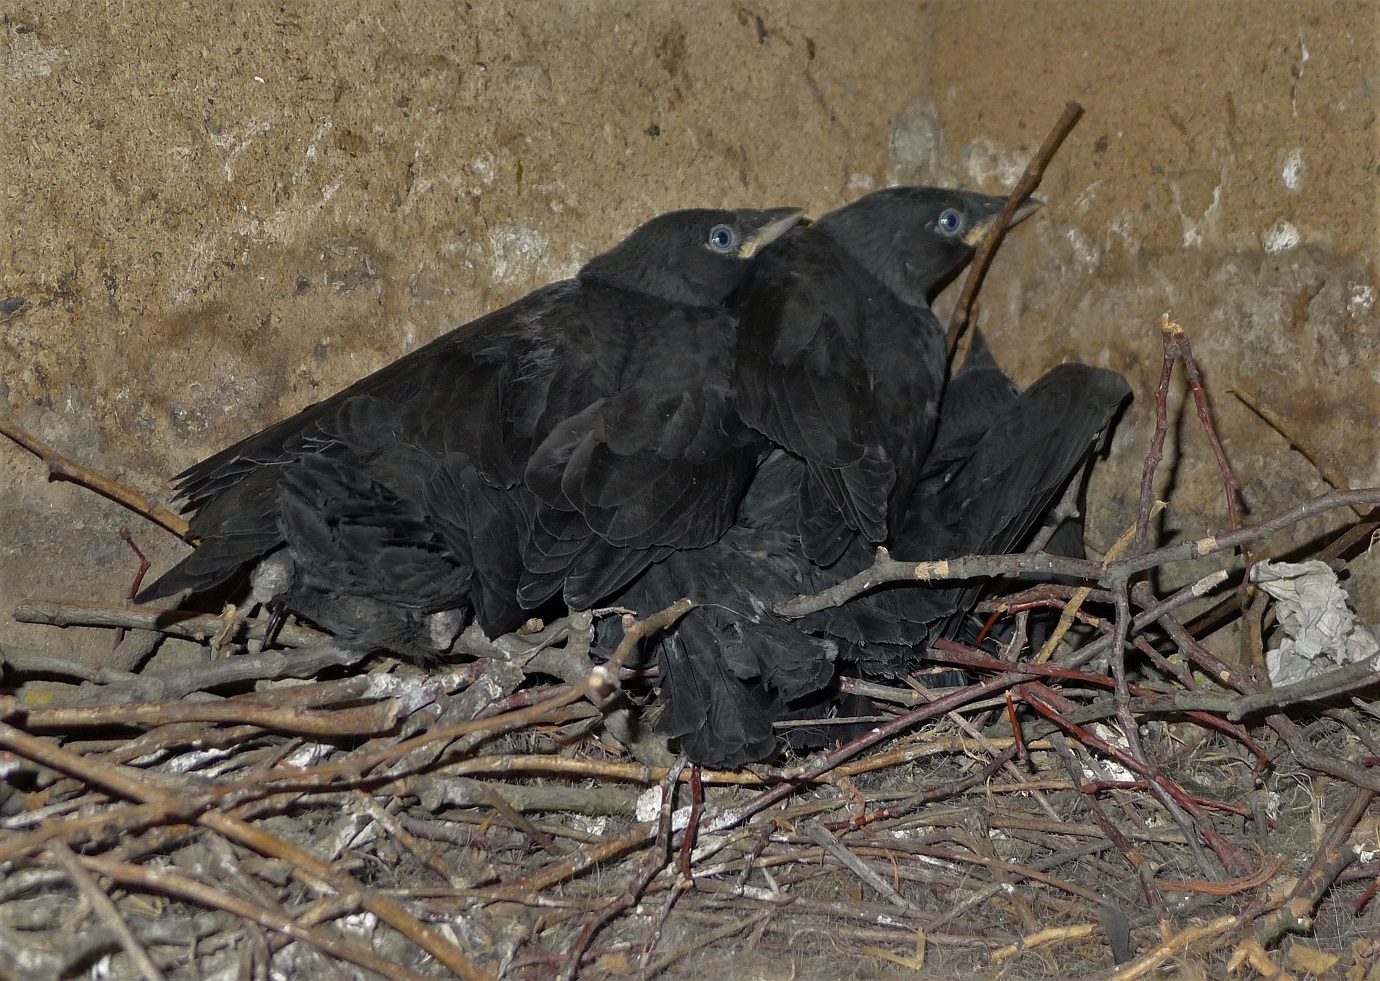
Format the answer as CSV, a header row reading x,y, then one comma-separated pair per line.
x,y
478,821
1116,800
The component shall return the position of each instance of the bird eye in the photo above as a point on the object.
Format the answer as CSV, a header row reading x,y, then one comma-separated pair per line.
x,y
722,238
950,221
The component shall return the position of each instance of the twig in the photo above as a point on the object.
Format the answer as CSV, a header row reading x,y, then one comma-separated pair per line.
x,y
826,840
656,860
61,468
359,721
182,887
1332,856
312,869
1030,179
1028,565
101,903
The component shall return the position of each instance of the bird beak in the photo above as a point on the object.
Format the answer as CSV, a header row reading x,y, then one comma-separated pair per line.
x,y
782,221
1026,208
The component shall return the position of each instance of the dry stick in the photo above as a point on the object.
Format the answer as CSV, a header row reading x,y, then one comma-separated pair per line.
x,y
1175,945
1184,351
826,840
1229,609
1332,856
1133,856
722,818
1030,565
600,683
103,906
1083,592
1155,454
183,887
1240,681
1030,179
362,720
306,866
1189,815
656,860
1080,931
61,468
176,623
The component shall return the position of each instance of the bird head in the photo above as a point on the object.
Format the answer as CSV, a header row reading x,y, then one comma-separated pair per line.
x,y
697,257
914,238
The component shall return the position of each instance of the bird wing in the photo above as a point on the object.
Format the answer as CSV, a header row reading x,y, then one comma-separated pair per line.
x,y
353,535
658,460
434,388
802,380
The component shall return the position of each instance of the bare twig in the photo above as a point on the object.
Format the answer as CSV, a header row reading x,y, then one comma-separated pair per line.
x,y
61,468
1030,180
101,903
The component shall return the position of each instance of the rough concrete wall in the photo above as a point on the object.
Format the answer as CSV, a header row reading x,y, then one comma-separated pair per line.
x,y
1226,172
219,213
218,216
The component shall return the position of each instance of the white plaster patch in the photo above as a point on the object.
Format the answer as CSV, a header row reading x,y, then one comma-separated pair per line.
x,y
322,128
517,252
237,143
1193,227
1281,238
483,166
1085,251
24,57
860,183
1293,169
1360,299
988,164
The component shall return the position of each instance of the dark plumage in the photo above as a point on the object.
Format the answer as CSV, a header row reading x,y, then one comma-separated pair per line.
x,y
999,461
980,494
557,445
840,359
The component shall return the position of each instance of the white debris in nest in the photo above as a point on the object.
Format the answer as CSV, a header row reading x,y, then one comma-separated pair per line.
x,y
1293,169
589,825
649,810
1321,632
1281,238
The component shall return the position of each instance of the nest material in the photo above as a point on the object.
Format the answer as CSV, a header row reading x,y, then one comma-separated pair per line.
x,y
1053,818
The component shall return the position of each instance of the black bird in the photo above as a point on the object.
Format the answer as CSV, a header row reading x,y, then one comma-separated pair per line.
x,y
840,359
999,461
559,444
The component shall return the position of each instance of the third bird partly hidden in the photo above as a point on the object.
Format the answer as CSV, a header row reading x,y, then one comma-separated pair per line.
x,y
730,406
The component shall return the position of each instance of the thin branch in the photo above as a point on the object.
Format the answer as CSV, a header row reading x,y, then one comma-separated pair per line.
x,y
61,468
104,908
1030,180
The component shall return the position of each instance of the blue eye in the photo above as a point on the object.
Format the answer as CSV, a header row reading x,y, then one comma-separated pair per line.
x,y
722,238
950,221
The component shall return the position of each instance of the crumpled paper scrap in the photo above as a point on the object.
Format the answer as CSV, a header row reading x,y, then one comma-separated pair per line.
x,y
1321,630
